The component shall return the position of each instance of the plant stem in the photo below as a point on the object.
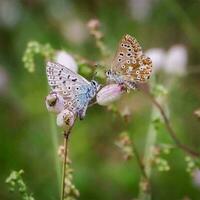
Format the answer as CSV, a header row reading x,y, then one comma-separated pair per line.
x,y
171,131
66,137
150,141
54,134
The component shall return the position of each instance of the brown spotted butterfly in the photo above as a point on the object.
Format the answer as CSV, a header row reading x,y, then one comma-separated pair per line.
x,y
130,66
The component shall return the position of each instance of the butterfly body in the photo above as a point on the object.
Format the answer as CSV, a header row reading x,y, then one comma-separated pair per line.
x,y
130,66
76,90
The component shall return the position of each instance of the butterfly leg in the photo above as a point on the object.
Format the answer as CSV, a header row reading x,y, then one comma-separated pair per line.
x,y
131,84
82,112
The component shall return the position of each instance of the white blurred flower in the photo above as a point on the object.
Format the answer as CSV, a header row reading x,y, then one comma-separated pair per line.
x,y
140,9
109,93
158,57
4,81
10,12
65,119
67,60
196,178
74,30
54,102
176,60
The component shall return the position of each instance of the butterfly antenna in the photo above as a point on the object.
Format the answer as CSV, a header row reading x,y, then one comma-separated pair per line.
x,y
94,75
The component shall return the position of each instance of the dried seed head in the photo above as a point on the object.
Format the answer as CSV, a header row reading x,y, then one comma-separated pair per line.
x,y
54,102
65,119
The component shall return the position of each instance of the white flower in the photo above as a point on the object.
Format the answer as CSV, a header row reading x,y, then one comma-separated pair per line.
x,y
196,178
4,81
109,93
74,30
158,57
54,102
176,60
140,9
67,60
10,13
65,119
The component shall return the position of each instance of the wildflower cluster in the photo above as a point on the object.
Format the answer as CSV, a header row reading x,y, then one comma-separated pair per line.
x,y
70,190
16,182
191,164
34,48
125,145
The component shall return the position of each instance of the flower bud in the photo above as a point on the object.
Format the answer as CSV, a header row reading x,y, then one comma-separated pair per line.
x,y
93,24
54,102
176,60
67,60
65,119
109,93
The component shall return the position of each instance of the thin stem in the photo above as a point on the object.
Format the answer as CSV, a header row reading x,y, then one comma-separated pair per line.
x,y
139,161
66,137
55,148
171,131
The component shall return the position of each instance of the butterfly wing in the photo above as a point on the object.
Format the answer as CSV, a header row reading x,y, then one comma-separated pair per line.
x,y
70,85
129,62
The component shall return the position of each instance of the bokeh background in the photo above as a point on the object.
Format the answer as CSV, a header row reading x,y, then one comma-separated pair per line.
x,y
27,130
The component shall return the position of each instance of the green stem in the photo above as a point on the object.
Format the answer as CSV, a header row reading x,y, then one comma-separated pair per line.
x,y
54,137
66,137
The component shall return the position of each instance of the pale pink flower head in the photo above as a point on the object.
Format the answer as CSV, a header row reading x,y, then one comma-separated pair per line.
x,y
93,24
140,9
109,93
54,102
65,119
176,60
196,178
66,60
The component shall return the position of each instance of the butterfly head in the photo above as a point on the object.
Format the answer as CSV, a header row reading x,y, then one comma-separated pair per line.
x,y
95,85
109,74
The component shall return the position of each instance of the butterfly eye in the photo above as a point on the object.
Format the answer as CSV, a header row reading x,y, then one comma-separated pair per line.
x,y
128,61
137,72
108,73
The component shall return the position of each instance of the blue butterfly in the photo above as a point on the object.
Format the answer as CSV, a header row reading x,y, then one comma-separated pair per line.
x,y
76,90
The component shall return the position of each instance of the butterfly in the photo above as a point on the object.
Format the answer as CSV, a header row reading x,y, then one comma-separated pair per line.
x,y
76,91
130,66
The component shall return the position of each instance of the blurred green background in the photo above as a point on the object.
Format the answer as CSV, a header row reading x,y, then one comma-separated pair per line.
x,y
26,139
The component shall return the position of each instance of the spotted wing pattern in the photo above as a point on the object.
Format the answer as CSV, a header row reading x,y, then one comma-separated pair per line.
x,y
129,62
70,85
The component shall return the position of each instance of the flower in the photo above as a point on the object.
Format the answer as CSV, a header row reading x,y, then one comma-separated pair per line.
x,y
158,57
54,102
109,93
93,24
176,60
196,177
140,9
93,27
4,81
67,60
65,119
